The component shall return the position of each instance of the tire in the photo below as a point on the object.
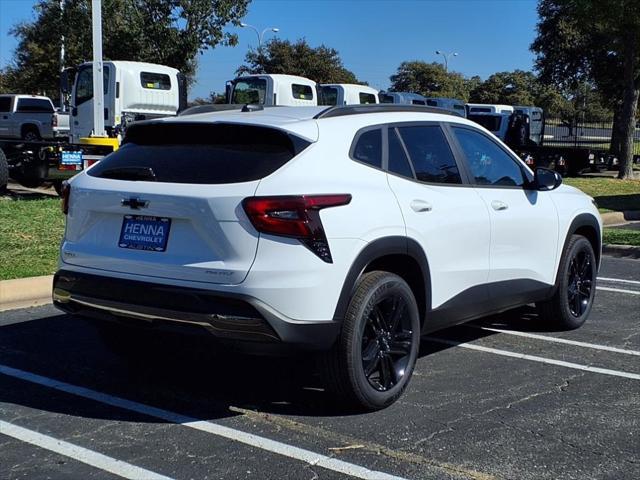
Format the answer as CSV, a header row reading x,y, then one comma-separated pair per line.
x,y
4,173
571,303
369,331
31,135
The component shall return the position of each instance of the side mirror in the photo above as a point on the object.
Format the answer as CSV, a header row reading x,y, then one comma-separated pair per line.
x,y
66,80
546,180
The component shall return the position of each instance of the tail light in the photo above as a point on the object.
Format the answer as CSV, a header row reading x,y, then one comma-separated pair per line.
x,y
65,193
295,216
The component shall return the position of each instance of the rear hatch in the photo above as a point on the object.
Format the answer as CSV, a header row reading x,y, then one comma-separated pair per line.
x,y
168,203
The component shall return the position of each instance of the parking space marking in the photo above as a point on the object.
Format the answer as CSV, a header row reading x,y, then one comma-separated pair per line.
x,y
618,290
263,443
595,346
81,454
621,280
534,358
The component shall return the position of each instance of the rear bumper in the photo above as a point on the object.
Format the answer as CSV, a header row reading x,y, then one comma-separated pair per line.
x,y
231,317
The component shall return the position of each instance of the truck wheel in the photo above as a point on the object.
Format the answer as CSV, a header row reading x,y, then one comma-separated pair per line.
x,y
373,359
4,172
31,135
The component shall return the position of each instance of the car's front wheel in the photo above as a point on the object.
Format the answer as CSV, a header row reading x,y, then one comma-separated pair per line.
x,y
575,286
374,357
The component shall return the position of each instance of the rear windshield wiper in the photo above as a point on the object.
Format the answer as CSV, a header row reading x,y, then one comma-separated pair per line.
x,y
129,173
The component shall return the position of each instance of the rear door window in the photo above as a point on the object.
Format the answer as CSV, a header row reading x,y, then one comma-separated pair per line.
x,y
398,161
199,154
430,154
5,104
34,105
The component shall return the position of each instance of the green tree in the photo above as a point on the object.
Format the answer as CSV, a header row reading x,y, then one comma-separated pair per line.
x,y
509,88
168,32
595,41
321,64
430,80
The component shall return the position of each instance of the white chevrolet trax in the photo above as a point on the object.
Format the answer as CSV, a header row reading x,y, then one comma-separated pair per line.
x,y
346,230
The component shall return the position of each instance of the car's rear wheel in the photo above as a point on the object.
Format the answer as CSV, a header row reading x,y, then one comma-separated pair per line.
x,y
571,304
374,357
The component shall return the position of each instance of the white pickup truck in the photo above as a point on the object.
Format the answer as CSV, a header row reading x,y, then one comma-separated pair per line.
x,y
30,118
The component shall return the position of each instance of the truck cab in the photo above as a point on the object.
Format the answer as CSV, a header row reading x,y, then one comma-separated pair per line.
x,y
346,94
272,89
402,98
452,104
132,91
488,108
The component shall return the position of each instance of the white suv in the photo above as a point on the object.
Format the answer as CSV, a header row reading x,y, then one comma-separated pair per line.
x,y
350,230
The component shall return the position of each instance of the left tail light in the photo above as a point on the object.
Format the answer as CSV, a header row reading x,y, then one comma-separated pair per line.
x,y
295,216
65,194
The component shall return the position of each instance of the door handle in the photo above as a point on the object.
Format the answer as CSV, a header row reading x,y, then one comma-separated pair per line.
x,y
497,205
420,206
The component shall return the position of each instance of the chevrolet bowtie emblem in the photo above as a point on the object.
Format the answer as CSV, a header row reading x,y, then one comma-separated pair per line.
x,y
135,203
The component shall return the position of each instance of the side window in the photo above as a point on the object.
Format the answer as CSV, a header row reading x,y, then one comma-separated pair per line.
x,y
302,92
368,148
432,103
430,154
155,81
35,105
489,164
398,161
417,102
5,104
366,98
84,84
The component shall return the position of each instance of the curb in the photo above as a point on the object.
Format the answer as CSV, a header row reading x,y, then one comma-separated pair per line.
x,y
628,251
25,292
617,218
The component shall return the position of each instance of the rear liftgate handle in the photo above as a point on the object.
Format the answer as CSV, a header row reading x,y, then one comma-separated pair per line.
x,y
420,206
497,205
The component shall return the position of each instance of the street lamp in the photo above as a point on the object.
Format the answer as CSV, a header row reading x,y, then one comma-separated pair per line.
x,y
446,57
258,33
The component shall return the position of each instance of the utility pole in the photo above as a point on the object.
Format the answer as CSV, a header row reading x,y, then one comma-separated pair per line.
x,y
62,105
98,92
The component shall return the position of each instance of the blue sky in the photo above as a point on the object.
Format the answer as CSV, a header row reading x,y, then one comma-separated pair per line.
x,y
373,37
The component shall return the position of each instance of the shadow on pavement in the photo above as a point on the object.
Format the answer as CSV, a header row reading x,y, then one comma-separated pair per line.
x,y
196,379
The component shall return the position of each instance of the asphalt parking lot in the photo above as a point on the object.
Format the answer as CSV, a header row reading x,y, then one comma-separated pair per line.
x,y
500,398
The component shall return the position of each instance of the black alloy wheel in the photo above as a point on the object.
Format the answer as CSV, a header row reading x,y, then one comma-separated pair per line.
x,y
580,283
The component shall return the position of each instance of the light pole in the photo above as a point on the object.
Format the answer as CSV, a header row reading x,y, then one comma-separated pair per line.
x,y
446,57
258,33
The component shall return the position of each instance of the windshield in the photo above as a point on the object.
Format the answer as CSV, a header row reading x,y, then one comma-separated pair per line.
x,y
250,90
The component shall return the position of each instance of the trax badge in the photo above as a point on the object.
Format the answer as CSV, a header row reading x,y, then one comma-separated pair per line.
x,y
135,203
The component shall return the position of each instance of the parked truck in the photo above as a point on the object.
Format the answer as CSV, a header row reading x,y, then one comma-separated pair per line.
x,y
30,118
346,94
269,90
132,91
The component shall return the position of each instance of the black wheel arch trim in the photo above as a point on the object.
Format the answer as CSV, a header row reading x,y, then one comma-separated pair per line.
x,y
586,220
394,245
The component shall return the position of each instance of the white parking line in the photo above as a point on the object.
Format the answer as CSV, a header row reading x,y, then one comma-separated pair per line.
x,y
95,459
557,340
618,290
263,443
621,280
534,358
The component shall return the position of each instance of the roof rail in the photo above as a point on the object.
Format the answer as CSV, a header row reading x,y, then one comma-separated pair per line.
x,y
344,110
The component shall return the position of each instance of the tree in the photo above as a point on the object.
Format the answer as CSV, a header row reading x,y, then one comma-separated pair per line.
x,y
508,88
596,41
168,32
430,80
321,64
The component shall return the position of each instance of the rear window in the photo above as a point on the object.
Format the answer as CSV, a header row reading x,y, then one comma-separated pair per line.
x,y
328,96
367,98
155,81
490,122
250,90
302,92
37,105
386,98
199,154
